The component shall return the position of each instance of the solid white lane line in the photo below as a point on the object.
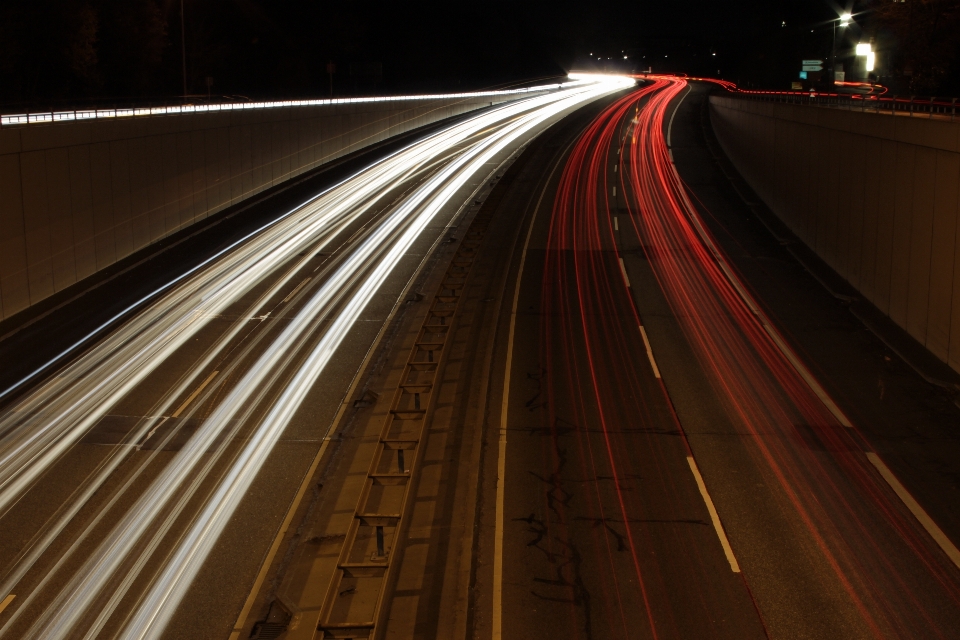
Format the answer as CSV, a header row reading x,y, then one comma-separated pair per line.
x,y
371,351
297,289
206,300
747,298
646,343
714,517
918,512
186,403
497,616
623,270
170,586
672,116
807,376
6,602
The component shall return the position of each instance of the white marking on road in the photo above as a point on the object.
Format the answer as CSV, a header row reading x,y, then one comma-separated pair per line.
x,y
714,517
371,351
496,623
6,602
203,385
732,278
152,431
646,343
672,115
614,192
297,289
918,512
616,226
614,168
623,270
807,377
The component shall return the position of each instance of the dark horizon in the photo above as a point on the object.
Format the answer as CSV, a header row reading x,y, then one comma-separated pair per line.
x,y
60,52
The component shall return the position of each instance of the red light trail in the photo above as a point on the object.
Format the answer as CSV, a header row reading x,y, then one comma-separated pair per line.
x,y
799,440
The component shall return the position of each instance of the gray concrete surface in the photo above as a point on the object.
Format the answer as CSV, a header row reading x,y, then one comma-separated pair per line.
x,y
76,197
877,197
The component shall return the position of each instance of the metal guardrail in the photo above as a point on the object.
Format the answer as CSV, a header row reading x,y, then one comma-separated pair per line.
x,y
895,105
358,596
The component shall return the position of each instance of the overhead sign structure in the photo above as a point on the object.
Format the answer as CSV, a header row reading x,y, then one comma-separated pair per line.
x,y
812,67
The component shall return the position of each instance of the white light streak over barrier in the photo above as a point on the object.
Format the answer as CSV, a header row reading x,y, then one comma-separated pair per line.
x,y
132,112
46,424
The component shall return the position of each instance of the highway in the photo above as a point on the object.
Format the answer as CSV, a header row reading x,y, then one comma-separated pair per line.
x,y
589,390
121,472
671,465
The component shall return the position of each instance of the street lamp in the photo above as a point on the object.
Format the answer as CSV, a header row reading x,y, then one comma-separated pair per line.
x,y
844,20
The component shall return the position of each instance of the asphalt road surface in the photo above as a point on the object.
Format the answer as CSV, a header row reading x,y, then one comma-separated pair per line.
x,y
601,393
144,475
695,441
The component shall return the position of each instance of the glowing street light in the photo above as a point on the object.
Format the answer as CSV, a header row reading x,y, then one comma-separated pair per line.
x,y
844,21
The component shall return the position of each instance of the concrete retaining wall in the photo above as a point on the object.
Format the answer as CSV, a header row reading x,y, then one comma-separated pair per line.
x,y
876,196
76,197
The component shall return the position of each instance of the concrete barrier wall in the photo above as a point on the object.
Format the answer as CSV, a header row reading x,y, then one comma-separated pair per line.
x,y
876,196
76,197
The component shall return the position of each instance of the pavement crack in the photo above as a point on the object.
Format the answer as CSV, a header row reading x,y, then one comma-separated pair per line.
x,y
533,404
579,595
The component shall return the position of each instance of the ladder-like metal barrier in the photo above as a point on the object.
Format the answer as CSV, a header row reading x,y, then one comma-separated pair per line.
x,y
356,602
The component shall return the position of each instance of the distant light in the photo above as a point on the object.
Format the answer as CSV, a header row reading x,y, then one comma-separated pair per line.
x,y
598,77
845,17
713,54
624,57
864,48
783,24
871,60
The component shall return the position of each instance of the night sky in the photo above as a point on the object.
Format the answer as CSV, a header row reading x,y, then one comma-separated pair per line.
x,y
55,51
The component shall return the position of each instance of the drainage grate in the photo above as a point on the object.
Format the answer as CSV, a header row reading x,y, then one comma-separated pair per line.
x,y
267,630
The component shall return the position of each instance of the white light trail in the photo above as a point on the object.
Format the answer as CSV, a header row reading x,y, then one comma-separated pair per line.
x,y
51,420
131,112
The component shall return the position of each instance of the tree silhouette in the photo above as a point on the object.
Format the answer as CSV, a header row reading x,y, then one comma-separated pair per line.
x,y
926,35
